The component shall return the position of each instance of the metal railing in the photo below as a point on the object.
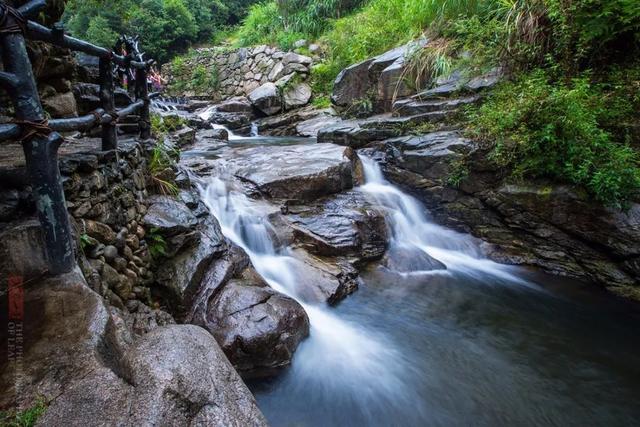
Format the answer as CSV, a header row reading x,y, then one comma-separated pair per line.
x,y
39,137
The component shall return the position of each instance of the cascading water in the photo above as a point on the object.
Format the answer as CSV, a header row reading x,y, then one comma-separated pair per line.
x,y
344,364
411,230
339,358
255,131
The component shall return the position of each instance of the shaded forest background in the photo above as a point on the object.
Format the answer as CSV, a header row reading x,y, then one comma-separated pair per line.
x,y
168,27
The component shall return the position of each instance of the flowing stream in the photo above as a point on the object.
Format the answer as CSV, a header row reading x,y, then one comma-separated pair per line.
x,y
439,335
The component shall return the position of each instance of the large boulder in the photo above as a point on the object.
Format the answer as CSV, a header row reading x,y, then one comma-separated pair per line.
x,y
257,327
379,79
180,275
286,124
238,104
71,342
342,225
267,99
324,280
294,58
301,172
352,84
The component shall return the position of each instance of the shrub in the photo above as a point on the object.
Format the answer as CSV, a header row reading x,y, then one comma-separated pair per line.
x,y
25,418
157,244
260,25
540,129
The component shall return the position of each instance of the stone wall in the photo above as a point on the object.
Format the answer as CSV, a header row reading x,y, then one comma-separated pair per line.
x,y
106,196
238,71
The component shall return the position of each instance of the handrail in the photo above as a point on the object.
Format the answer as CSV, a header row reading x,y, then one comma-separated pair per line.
x,y
40,138
41,33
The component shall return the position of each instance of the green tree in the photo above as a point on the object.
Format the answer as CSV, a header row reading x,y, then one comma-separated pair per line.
x,y
100,32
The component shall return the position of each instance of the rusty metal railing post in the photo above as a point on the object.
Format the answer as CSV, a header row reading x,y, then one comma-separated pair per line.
x,y
107,98
39,143
142,93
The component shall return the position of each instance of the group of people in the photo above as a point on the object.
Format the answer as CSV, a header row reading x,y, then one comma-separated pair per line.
x,y
126,44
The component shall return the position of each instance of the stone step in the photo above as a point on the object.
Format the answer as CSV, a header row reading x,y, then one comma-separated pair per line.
x,y
413,106
358,133
457,83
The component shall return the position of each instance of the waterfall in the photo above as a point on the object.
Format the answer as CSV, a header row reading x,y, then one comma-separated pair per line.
x,y
255,131
411,230
338,355
344,360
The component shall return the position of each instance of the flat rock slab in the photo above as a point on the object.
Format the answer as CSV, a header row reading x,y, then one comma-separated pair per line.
x,y
431,155
300,172
359,133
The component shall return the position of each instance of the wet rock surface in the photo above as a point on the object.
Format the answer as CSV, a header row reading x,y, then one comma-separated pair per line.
x,y
324,279
257,327
302,172
344,225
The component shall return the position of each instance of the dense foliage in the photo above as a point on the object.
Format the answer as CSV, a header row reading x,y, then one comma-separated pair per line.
x,y
168,27
559,131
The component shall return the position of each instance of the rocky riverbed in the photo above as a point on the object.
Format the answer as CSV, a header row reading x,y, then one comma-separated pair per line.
x,y
302,250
